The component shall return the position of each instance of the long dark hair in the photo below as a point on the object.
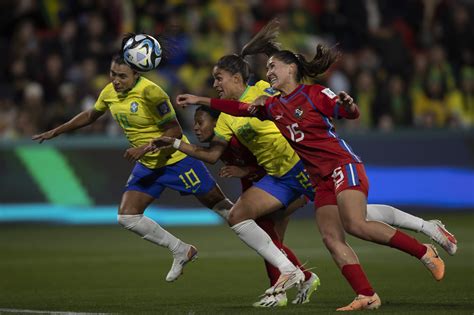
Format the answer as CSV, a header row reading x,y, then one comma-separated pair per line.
x,y
264,41
323,59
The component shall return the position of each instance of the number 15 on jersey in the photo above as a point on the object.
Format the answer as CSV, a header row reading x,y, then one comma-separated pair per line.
x,y
296,134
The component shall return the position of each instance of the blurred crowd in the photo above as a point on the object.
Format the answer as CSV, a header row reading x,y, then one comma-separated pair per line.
x,y
408,63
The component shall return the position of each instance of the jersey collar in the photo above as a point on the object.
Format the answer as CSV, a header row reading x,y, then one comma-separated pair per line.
x,y
245,92
136,83
287,98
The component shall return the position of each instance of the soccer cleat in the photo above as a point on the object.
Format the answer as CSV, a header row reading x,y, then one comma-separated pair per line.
x,y
286,281
433,262
445,239
179,261
362,302
272,300
306,289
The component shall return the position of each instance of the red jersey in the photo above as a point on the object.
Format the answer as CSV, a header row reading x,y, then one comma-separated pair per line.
x,y
237,154
305,118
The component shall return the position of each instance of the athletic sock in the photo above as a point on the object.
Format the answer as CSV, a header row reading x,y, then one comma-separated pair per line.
x,y
357,279
256,238
407,244
269,227
292,257
150,231
394,216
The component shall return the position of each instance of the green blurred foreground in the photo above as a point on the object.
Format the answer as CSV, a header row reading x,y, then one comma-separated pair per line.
x,y
99,269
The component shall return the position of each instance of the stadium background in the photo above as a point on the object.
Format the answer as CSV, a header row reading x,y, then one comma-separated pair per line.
x,y
408,64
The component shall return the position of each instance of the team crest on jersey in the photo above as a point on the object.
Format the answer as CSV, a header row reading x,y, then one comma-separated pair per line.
x,y
134,107
270,91
299,113
163,109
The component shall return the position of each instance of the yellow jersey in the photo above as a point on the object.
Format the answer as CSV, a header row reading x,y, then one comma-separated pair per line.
x,y
262,138
141,112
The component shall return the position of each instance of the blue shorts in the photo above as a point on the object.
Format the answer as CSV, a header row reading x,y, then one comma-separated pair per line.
x,y
188,176
290,186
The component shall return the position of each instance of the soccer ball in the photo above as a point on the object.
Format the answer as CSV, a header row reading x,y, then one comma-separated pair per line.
x,y
142,52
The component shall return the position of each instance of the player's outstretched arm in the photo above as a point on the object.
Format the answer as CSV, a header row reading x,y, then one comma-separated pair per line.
x,y
185,100
209,154
80,120
229,171
134,154
171,130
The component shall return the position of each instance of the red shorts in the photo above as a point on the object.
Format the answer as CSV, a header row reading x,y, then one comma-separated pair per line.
x,y
349,176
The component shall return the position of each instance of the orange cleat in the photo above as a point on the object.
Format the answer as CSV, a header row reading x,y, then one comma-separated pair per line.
x,y
433,262
362,302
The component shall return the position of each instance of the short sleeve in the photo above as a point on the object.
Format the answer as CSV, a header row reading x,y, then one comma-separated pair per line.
x,y
100,104
325,100
222,129
159,104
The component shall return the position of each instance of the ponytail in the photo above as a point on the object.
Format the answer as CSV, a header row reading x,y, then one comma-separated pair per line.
x,y
323,59
265,41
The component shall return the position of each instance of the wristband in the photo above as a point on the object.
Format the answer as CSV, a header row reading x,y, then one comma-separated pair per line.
x,y
176,143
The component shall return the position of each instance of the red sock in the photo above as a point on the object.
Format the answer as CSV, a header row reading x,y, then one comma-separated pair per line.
x,y
357,279
269,227
272,272
292,257
407,244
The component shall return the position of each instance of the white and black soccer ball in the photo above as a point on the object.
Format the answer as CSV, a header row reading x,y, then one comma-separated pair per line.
x,y
142,52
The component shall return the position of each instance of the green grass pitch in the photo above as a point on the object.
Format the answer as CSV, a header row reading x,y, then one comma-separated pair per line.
x,y
105,269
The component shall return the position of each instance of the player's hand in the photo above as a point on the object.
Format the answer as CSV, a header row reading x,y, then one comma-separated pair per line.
x,y
257,103
233,171
347,101
44,136
134,154
160,143
185,100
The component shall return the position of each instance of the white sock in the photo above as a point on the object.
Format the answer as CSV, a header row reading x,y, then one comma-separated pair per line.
x,y
150,231
394,217
256,238
223,207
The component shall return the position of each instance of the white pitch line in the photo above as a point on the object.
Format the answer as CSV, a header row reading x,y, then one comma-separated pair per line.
x,y
19,311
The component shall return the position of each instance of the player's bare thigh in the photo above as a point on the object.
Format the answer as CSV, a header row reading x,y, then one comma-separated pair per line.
x,y
353,211
253,204
134,202
282,217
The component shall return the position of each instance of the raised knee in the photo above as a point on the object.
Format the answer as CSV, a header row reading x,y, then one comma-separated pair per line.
x,y
354,228
237,214
233,217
